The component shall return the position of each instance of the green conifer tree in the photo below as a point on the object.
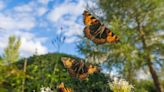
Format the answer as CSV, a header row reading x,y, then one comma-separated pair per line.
x,y
11,52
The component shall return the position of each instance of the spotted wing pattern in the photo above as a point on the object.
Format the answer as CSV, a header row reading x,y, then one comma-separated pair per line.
x,y
78,69
96,31
62,88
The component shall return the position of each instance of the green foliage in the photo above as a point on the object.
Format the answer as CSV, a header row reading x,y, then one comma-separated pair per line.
x,y
11,52
48,71
144,86
44,70
10,78
95,83
136,23
139,25
10,75
0,60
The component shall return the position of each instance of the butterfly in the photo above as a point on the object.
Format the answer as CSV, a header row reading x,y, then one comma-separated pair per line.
x,y
96,31
61,88
78,69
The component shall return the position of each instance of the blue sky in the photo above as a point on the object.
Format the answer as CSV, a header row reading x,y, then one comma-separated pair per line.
x,y
37,22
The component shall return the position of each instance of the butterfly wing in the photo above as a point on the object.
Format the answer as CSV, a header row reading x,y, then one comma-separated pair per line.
x,y
78,69
83,71
91,34
68,62
83,76
73,66
92,25
61,88
89,19
92,69
111,38
96,31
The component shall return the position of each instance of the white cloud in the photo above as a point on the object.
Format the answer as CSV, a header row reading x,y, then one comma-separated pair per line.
x,y
30,47
41,11
20,21
66,8
32,8
18,18
73,11
74,28
29,43
3,40
29,7
45,2
9,23
2,5
71,39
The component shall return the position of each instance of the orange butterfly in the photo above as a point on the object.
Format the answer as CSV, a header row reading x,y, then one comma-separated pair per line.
x,y
78,69
96,31
61,88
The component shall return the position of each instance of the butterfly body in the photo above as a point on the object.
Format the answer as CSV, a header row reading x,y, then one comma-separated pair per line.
x,y
97,38
96,31
79,69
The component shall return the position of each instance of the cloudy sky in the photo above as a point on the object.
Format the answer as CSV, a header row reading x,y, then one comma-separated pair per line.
x,y
37,22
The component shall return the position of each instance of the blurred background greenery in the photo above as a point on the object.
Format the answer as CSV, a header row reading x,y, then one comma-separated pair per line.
x,y
139,25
